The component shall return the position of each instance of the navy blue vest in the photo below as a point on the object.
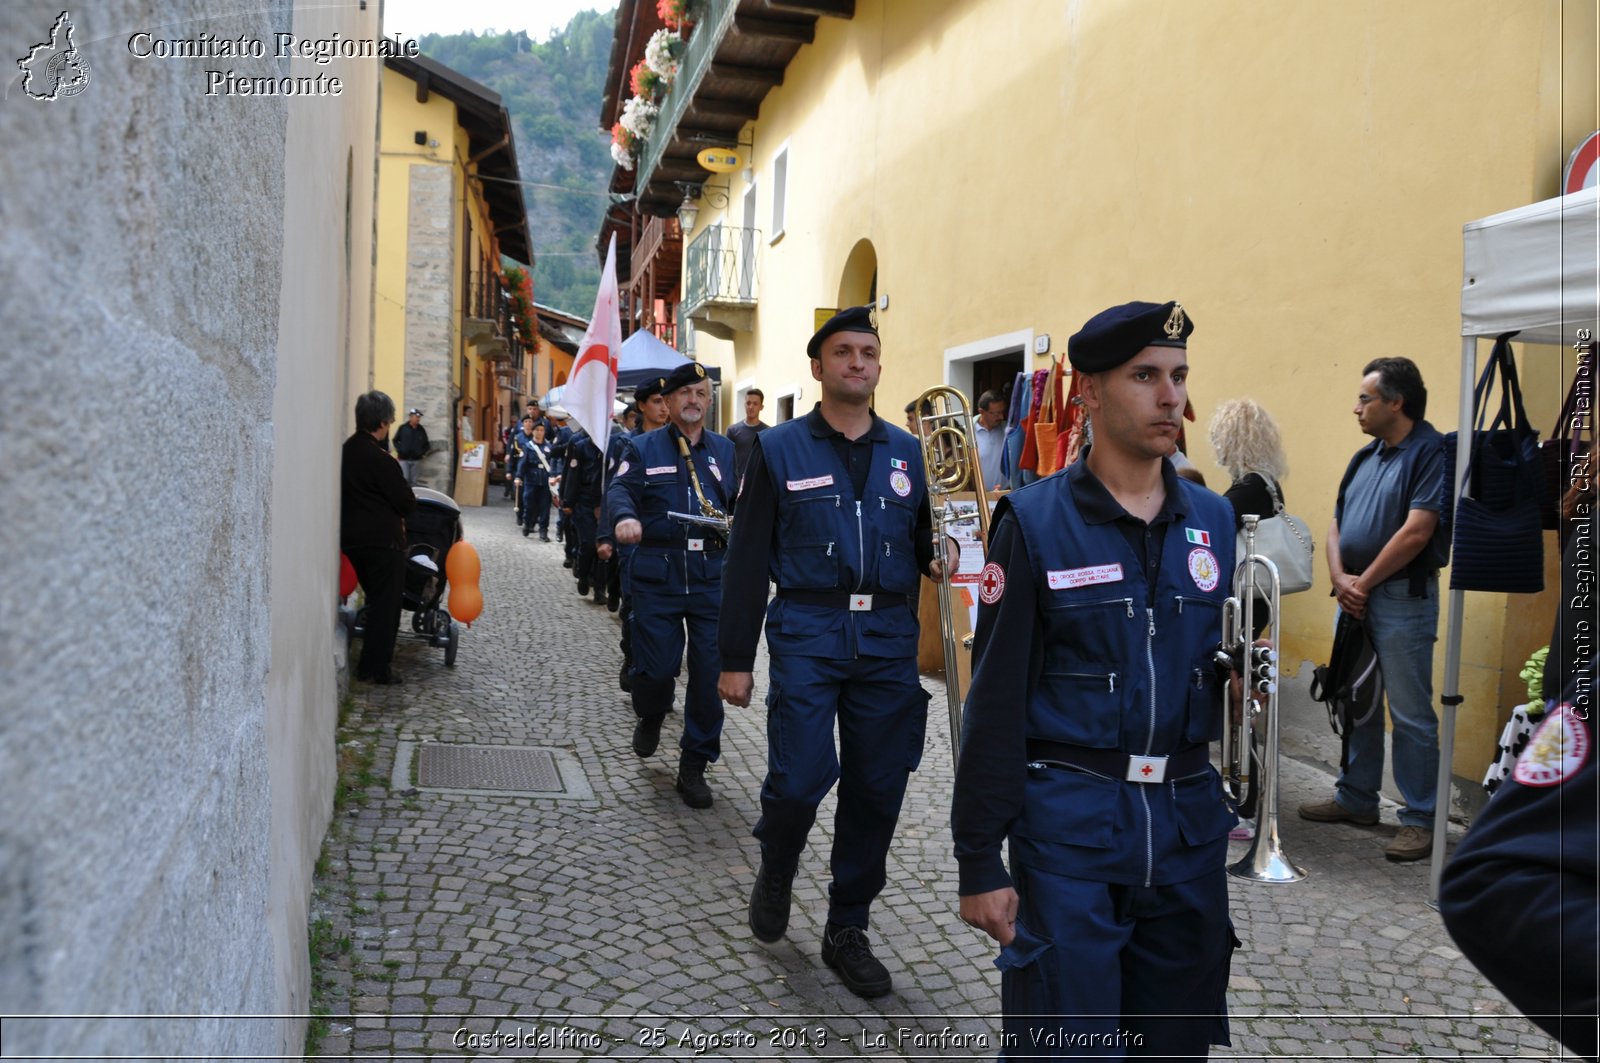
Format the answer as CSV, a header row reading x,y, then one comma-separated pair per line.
x,y
653,480
829,540
1127,666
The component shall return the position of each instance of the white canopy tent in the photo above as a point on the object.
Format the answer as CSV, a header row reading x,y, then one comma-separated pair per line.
x,y
1535,271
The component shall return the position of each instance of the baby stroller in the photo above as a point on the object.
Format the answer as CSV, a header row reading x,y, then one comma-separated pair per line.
x,y
431,529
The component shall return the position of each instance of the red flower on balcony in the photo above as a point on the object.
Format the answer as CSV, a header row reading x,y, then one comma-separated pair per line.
x,y
675,13
645,82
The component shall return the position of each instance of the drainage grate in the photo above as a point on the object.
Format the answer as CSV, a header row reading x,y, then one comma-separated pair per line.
x,y
510,768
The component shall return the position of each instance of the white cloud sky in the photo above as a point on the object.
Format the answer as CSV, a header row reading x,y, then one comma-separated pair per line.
x,y
540,18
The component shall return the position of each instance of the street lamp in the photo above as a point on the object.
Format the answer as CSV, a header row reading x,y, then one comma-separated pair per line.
x,y
688,211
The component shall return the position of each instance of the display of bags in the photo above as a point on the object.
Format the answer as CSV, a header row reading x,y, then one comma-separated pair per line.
x,y
1498,541
1286,540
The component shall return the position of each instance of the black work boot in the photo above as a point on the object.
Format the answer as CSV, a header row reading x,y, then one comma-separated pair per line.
x,y
583,586
769,902
647,734
692,781
845,949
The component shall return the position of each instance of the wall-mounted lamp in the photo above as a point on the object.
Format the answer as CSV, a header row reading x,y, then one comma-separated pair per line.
x,y
689,210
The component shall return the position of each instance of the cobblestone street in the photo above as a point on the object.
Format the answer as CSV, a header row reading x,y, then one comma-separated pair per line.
x,y
608,920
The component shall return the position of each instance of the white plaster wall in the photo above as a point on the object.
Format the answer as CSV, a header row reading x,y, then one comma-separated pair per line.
x,y
162,789
323,328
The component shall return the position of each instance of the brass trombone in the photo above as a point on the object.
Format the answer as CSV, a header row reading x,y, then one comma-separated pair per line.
x,y
950,462
1258,665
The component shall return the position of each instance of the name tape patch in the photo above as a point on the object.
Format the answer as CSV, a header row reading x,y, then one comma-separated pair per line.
x,y
662,470
808,484
1065,578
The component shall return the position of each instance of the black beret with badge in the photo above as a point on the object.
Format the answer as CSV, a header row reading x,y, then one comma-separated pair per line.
x,y
850,319
1113,336
649,389
687,373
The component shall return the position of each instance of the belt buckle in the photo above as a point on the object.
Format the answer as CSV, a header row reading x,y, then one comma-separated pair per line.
x,y
861,603
1147,769
697,545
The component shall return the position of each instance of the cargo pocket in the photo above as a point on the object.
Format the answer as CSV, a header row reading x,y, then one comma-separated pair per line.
x,y
648,567
1026,987
1203,816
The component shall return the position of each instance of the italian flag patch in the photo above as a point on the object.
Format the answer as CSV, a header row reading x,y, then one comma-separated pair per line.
x,y
1198,537
896,463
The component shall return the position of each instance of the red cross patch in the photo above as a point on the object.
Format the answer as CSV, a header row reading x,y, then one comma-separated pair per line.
x,y
1147,771
991,584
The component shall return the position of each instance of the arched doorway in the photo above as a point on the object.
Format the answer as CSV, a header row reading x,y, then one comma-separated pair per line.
x,y
858,284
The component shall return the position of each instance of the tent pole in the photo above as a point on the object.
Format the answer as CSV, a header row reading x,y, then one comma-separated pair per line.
x,y
1451,697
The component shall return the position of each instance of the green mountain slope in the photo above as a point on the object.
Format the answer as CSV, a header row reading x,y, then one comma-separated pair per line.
x,y
552,91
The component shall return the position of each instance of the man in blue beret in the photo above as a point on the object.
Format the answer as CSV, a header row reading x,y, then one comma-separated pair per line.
x,y
675,573
1093,700
652,406
834,511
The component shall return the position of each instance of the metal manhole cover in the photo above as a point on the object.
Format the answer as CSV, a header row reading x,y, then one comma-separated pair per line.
x,y
513,768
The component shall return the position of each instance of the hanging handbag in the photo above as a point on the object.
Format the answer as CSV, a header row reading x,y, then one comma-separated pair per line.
x,y
1286,541
1044,426
1498,543
1571,442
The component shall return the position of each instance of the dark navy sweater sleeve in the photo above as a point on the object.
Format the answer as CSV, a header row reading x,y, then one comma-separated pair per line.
x,y
1519,895
744,569
1007,653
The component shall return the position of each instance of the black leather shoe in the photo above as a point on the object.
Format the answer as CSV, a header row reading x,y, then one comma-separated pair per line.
x,y
769,903
544,537
389,679
613,602
845,949
566,563
599,596
692,781
583,585
647,735
624,680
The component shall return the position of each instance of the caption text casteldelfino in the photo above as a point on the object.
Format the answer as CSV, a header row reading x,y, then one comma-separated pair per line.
x,y
320,50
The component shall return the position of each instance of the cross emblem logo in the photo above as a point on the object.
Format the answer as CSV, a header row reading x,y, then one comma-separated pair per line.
x,y
1146,771
991,584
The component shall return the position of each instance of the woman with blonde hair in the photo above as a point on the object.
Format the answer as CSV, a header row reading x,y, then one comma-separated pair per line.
x,y
1246,442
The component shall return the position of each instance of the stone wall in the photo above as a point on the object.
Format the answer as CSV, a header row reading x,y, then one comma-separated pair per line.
x,y
149,711
430,247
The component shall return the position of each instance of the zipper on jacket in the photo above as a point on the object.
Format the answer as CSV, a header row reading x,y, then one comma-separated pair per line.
x,y
861,550
1149,825
1126,603
1109,677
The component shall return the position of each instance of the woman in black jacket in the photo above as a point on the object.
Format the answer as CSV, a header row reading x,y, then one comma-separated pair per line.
x,y
374,500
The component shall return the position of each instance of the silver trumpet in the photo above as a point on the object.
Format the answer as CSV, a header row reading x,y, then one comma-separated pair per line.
x,y
1258,667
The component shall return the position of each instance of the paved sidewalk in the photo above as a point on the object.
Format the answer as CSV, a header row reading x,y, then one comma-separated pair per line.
x,y
613,924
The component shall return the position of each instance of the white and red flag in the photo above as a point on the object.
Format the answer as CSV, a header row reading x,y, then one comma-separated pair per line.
x,y
592,389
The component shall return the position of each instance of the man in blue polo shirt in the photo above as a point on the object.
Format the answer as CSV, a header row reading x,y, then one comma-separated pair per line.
x,y
1385,573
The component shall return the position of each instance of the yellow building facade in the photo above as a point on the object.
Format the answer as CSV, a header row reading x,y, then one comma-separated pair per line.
x,y
993,172
449,208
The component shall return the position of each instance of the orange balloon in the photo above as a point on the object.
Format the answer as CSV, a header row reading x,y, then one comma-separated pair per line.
x,y
461,566
466,602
